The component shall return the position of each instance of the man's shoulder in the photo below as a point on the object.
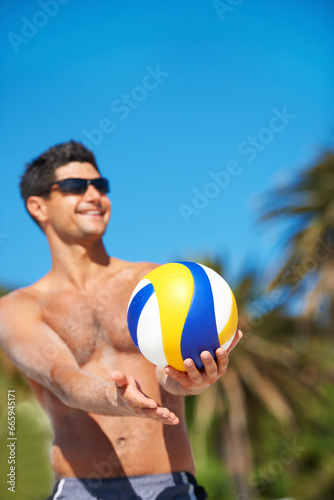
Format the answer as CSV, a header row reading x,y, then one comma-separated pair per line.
x,y
144,267
137,270
18,301
17,296
126,275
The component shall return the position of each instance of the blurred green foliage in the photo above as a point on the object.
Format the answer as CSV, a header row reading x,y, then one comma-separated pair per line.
x,y
34,477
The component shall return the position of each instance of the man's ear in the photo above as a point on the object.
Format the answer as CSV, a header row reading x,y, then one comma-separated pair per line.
x,y
36,206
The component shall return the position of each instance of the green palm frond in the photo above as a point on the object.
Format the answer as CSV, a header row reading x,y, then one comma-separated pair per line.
x,y
307,204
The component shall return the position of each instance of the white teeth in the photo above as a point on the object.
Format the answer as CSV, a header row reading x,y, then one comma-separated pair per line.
x,y
92,212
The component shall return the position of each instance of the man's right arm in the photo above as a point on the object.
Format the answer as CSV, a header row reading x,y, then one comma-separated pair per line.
x,y
40,354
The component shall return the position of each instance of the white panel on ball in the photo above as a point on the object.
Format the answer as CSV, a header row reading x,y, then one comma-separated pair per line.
x,y
149,334
222,297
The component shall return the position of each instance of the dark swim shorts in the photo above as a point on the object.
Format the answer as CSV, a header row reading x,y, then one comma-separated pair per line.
x,y
176,486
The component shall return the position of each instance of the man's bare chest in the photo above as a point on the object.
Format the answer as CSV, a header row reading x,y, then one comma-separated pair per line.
x,y
89,326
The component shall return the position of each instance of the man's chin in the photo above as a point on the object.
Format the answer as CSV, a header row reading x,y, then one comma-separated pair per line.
x,y
92,232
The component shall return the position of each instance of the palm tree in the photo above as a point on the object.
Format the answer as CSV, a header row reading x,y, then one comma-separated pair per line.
x,y
308,205
266,376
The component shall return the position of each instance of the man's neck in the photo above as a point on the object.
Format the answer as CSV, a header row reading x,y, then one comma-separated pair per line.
x,y
78,264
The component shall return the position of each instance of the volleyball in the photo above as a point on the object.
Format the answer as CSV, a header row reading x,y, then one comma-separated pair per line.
x,y
179,310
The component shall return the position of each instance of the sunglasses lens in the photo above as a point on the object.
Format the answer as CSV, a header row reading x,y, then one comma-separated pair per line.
x,y
101,184
80,186
75,186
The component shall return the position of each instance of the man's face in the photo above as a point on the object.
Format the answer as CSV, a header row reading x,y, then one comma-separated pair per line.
x,y
77,216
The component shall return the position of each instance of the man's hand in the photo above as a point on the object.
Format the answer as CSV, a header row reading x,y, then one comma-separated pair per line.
x,y
130,400
195,381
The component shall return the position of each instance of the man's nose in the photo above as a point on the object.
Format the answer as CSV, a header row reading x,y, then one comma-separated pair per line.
x,y
92,193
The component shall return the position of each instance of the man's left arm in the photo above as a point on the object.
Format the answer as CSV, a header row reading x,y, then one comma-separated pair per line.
x,y
194,381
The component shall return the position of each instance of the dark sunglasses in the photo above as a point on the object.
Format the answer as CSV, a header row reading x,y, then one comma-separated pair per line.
x,y
80,186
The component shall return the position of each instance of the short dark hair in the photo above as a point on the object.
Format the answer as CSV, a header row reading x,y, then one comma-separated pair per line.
x,y
40,173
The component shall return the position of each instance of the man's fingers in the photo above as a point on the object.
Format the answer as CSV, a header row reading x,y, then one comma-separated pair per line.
x,y
120,379
222,360
163,415
210,366
129,391
194,380
138,403
237,338
193,373
140,400
135,397
180,377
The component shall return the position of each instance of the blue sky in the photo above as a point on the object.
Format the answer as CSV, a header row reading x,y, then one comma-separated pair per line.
x,y
193,108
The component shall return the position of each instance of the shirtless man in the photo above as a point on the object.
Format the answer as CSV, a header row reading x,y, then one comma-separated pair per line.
x,y
118,420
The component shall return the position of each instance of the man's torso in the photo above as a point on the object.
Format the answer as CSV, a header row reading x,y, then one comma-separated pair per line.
x,y
93,325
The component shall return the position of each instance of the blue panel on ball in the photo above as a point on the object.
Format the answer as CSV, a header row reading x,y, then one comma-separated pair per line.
x,y
137,305
200,329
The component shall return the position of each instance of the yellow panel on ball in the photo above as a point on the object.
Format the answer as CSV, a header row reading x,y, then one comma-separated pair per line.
x,y
231,325
174,286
